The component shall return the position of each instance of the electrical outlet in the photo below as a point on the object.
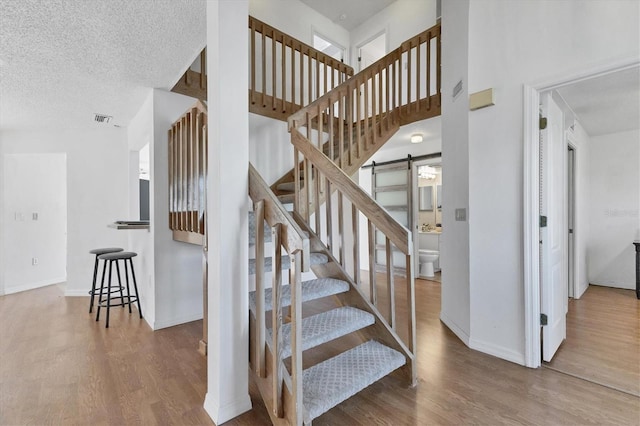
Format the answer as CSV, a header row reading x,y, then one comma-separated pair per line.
x,y
34,216
34,261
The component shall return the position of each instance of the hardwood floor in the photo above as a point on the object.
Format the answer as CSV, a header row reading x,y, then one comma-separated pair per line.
x,y
603,339
59,367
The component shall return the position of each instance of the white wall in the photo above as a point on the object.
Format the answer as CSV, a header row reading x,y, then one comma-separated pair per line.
x,y
401,20
177,270
97,168
34,184
270,149
615,208
454,252
505,40
298,20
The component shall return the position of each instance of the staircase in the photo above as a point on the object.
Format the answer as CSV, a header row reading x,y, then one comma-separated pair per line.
x,y
337,122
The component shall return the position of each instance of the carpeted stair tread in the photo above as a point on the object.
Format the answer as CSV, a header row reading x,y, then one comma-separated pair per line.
x,y
287,198
327,384
286,186
316,259
324,327
311,290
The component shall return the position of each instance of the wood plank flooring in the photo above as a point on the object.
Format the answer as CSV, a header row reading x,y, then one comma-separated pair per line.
x,y
59,367
603,339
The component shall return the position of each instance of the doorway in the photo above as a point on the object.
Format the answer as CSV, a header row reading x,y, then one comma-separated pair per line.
x,y
574,210
372,50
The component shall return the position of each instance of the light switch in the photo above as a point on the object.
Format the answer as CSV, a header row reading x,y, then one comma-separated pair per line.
x,y
461,215
34,216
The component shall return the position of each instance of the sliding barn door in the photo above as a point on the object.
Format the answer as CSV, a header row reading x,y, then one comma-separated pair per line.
x,y
392,189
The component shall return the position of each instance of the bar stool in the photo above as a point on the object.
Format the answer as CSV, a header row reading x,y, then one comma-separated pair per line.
x,y
98,252
106,302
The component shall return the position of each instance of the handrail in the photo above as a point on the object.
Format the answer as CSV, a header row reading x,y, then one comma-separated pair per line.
x,y
383,221
287,234
187,174
287,74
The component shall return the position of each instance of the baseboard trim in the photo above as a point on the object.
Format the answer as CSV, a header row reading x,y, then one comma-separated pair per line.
x,y
220,414
497,351
171,322
32,286
454,328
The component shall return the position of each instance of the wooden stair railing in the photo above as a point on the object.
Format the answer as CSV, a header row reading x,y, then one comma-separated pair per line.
x,y
342,240
287,74
350,123
281,390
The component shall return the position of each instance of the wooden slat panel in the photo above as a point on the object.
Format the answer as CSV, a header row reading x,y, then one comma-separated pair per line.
x,y
276,320
261,330
391,289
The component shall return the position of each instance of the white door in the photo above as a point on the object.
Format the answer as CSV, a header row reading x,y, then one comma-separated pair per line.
x,y
553,265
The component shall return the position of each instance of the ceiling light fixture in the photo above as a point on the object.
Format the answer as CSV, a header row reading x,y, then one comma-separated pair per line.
x,y
416,138
427,172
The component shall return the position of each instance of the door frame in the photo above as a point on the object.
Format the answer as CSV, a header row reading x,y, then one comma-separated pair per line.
x,y
531,231
437,161
356,51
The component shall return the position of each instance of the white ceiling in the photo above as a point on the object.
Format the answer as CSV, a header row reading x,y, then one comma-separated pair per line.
x,y
349,14
61,61
606,104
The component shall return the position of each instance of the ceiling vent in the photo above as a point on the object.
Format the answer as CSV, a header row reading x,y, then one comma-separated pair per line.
x,y
102,118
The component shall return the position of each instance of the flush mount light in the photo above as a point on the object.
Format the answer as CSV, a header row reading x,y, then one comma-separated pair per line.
x,y
416,138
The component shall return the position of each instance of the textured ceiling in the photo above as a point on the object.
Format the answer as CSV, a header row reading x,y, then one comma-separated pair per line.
x,y
61,61
606,104
349,14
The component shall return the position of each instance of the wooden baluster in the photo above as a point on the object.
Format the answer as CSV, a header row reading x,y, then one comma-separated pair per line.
x,y
349,108
372,263
388,101
341,227
316,185
331,130
205,149
341,132
429,70
190,183
296,335
320,136
400,103
198,172
393,89
438,66
276,319
203,69
317,77
170,171
308,177
253,62
284,75
355,225
373,111
310,84
409,79
411,311
325,89
274,91
296,180
185,168
365,87
358,120
418,75
264,68
380,97
329,214
293,76
261,329
391,295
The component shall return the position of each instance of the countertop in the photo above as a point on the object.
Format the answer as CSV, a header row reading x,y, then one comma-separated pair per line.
x,y
430,232
129,224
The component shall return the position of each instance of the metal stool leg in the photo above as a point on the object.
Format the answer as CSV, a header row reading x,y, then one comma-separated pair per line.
x,y
93,286
120,283
109,293
126,278
135,286
104,273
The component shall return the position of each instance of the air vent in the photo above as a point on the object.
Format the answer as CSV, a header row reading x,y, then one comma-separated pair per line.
x,y
102,118
457,89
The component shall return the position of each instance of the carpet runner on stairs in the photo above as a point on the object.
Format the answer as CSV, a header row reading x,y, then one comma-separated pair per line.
x,y
324,327
311,290
327,384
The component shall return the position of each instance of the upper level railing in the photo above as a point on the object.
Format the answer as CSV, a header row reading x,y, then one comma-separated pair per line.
x,y
188,174
287,74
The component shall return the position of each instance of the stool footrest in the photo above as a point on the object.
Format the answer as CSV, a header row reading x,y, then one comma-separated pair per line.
x,y
130,300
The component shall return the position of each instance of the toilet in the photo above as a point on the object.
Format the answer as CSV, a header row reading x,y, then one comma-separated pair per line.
x,y
428,259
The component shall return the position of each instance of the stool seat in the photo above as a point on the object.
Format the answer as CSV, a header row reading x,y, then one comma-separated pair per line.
x,y
118,255
100,251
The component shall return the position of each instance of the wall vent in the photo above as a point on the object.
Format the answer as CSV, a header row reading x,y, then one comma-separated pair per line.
x,y
102,118
457,89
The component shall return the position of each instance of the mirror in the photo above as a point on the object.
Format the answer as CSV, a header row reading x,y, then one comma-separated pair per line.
x,y
426,198
439,197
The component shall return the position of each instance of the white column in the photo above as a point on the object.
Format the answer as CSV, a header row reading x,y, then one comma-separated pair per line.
x,y
227,204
